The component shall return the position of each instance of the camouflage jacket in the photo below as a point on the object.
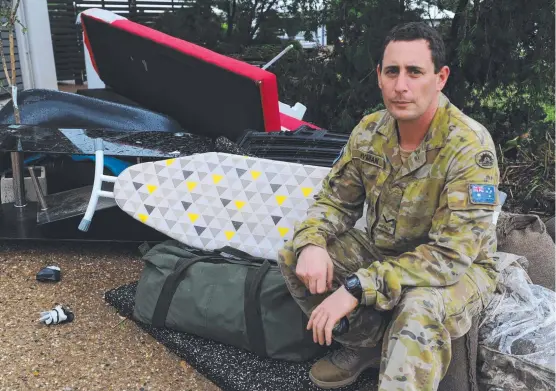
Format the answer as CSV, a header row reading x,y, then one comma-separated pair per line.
x,y
431,217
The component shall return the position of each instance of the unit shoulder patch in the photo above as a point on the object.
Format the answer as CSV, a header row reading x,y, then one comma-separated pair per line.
x,y
485,159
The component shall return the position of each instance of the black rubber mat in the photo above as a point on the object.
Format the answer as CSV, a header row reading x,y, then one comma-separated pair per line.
x,y
231,368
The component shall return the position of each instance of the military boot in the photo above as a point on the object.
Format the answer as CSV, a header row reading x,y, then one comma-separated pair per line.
x,y
343,366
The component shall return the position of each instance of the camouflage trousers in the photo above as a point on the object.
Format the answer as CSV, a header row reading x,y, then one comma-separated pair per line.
x,y
416,335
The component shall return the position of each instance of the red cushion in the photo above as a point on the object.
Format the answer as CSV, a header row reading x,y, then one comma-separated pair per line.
x,y
265,80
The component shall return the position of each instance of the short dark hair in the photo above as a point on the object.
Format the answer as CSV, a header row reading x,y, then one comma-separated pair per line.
x,y
414,31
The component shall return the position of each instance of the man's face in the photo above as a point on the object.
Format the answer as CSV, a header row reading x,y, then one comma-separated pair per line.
x,y
407,79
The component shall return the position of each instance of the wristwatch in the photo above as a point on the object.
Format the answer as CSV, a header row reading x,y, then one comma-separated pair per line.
x,y
353,286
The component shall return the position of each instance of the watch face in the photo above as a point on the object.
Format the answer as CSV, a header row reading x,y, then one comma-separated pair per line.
x,y
351,282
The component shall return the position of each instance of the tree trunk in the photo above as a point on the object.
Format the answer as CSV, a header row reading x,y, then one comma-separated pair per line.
x,y
456,81
231,18
262,17
458,17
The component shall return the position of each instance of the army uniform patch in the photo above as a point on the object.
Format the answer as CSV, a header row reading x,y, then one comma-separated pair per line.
x,y
373,159
482,194
485,159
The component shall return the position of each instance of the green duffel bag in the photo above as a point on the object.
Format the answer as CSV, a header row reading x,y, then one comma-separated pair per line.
x,y
224,295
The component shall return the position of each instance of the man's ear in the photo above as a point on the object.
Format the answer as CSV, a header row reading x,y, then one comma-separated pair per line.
x,y
443,75
378,76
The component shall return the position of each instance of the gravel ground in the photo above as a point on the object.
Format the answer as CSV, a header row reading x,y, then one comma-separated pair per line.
x,y
99,350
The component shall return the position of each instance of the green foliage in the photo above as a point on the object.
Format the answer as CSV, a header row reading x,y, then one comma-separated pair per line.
x,y
549,112
197,24
228,26
527,173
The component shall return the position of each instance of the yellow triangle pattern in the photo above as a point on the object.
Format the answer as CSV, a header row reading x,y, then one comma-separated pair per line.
x,y
193,217
169,162
229,234
306,191
142,217
283,231
255,175
151,188
217,178
280,199
191,185
240,204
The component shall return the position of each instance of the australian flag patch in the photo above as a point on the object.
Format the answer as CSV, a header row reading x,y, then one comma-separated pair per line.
x,y
482,194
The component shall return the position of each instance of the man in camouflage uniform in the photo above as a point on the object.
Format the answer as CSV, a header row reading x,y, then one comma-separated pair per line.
x,y
413,281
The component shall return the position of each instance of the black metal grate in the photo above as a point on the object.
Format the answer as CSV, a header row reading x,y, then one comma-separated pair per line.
x,y
66,41
304,146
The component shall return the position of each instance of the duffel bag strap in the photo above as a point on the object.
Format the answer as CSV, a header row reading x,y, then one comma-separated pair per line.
x,y
171,285
239,254
252,308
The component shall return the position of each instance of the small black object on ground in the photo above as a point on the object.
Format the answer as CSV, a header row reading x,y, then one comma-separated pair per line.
x,y
49,274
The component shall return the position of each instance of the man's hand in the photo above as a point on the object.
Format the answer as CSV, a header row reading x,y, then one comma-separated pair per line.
x,y
315,269
328,313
